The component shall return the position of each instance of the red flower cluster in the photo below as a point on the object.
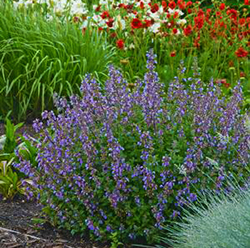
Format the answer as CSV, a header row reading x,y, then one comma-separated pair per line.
x,y
136,23
172,5
199,21
223,82
154,8
187,30
173,54
120,44
241,53
222,6
105,14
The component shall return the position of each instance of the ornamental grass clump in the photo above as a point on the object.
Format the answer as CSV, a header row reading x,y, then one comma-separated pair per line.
x,y
218,221
124,159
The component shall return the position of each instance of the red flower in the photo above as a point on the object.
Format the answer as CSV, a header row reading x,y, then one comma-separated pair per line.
x,y
231,63
222,6
196,42
189,3
176,14
147,23
232,13
129,7
141,5
164,4
188,30
105,14
175,30
173,54
200,12
189,11
98,8
110,22
242,74
76,19
154,8
246,2
224,82
242,21
121,5
172,5
181,4
120,44
218,13
208,12
136,23
241,53
199,22
113,35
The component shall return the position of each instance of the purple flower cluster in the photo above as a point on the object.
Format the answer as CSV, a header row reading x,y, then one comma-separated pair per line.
x,y
126,160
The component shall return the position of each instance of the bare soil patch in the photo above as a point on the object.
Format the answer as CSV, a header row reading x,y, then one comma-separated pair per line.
x,y
17,229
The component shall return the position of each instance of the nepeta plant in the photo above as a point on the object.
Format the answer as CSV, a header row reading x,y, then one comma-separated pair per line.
x,y
125,160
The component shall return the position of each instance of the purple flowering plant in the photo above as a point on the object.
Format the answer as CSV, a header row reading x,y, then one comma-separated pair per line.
x,y
125,160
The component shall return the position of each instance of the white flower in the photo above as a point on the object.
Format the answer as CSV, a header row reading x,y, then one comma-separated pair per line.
x,y
172,11
155,16
161,10
28,3
78,8
99,21
59,7
178,32
42,1
58,10
127,2
96,18
103,2
131,46
84,24
181,22
49,17
119,23
18,5
155,27
131,15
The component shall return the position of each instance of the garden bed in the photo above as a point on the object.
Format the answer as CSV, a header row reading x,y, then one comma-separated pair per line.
x,y
141,108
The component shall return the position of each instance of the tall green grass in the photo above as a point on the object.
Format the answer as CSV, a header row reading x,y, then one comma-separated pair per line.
x,y
40,57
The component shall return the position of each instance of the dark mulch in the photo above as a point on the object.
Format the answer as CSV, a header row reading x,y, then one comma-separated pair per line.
x,y
17,229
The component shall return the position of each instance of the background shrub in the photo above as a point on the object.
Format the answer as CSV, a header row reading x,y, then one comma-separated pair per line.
x,y
124,158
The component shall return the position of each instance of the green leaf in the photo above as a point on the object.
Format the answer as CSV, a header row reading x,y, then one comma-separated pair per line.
x,y
38,221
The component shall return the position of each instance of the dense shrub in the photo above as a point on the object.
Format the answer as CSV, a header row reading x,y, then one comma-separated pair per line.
x,y
124,158
223,221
